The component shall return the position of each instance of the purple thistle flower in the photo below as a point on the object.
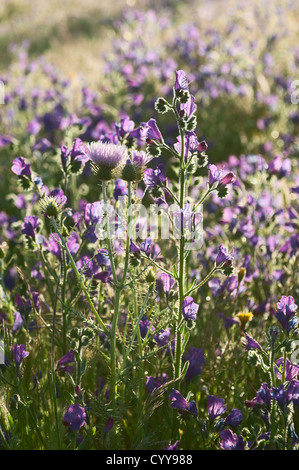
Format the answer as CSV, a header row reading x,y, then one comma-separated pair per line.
x,y
251,343
19,353
215,407
74,417
106,155
196,360
231,441
30,225
190,308
21,168
180,403
234,418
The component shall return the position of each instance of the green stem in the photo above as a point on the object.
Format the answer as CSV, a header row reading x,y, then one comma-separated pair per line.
x,y
81,282
207,278
181,269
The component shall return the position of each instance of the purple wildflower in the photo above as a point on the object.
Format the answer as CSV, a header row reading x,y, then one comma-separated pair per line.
x,y
196,360
18,322
234,418
74,417
155,177
21,168
231,441
19,353
286,310
180,403
144,326
223,255
181,82
190,308
215,407
291,370
106,155
251,343
30,225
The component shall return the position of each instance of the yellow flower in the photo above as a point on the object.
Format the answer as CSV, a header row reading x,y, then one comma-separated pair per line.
x,y
244,318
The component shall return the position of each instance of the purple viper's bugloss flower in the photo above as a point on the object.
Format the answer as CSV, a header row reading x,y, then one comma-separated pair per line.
x,y
293,392
286,310
153,178
291,370
263,397
234,418
231,441
215,407
152,130
144,326
162,338
174,446
30,225
164,283
120,189
152,383
18,322
251,343
21,168
223,255
280,395
190,308
196,360
74,417
180,403
68,357
181,82
19,353
146,246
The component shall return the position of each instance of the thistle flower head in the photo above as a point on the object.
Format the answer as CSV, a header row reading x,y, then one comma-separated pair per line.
x,y
106,158
51,206
134,168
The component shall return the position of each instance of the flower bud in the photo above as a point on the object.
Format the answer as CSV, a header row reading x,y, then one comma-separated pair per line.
x,y
241,275
150,276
